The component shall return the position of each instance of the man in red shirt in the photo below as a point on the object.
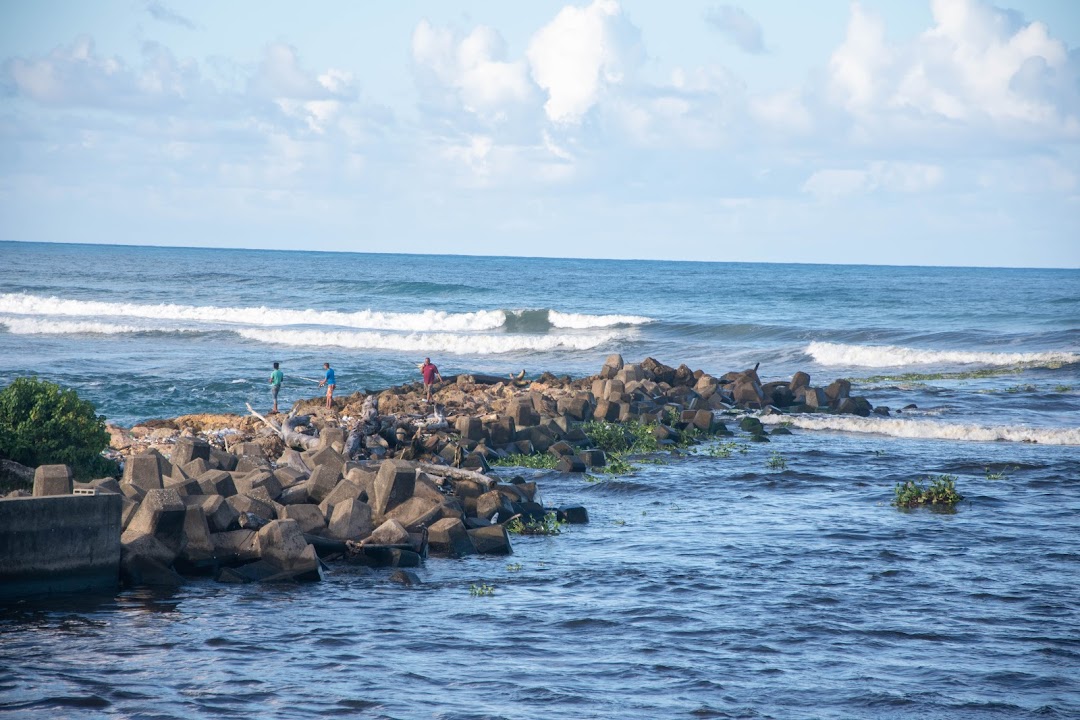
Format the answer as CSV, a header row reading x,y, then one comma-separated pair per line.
x,y
430,372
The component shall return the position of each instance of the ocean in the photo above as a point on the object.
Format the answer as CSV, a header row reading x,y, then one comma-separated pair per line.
x,y
712,584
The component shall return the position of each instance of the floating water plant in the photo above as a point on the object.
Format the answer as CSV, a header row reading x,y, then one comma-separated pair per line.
x,y
481,590
538,461
513,567
548,525
776,461
941,492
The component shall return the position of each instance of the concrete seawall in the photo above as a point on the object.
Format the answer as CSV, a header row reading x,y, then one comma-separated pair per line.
x,y
63,543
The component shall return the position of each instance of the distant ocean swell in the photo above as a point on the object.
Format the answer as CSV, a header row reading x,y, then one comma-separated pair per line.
x,y
930,429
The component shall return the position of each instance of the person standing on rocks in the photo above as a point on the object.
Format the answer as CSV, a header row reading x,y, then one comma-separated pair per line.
x,y
430,372
329,381
275,384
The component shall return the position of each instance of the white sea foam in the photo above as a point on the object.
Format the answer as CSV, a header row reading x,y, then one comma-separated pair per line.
x,y
895,356
423,321
430,342
930,429
369,319
579,322
43,326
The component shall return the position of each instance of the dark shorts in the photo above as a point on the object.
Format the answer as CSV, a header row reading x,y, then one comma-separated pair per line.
x,y
274,389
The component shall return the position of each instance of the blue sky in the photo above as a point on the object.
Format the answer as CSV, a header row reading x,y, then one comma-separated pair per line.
x,y
932,133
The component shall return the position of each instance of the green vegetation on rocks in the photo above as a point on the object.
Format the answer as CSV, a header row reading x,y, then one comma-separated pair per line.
x,y
537,461
548,525
42,424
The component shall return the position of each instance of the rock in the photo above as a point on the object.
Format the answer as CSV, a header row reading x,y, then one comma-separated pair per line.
x,y
289,476
572,514
592,458
247,504
501,431
327,457
220,515
217,482
449,537
246,484
183,486
416,513
577,408
492,502
838,390
248,449
751,425
470,428
815,398
138,567
747,393
160,514
351,520
195,468
347,489
248,464
323,480
491,540
15,475
799,380
52,480
282,544
107,485
309,517
138,544
235,547
329,437
570,463
221,460
612,365
405,577
393,485
295,495
390,532
188,449
197,549
142,471
854,406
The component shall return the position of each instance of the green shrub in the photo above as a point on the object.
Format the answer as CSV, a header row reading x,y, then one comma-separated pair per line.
x,y
41,424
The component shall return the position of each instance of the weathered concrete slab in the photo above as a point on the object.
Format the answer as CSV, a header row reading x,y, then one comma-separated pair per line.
x,y
59,544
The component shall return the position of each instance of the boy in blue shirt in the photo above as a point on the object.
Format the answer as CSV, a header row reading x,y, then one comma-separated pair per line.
x,y
275,384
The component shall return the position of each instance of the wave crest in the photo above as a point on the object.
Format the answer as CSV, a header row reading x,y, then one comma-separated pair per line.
x,y
895,356
930,429
430,342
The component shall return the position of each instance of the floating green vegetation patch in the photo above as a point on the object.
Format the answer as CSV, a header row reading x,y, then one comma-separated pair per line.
x,y
538,461
548,525
941,492
776,461
513,567
922,377
481,590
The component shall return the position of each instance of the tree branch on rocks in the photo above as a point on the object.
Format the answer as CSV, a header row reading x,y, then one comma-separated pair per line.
x,y
287,430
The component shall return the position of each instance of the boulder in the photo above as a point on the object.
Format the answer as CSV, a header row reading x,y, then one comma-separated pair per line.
x,y
799,380
195,468
220,515
390,532
329,457
188,449
309,517
347,489
282,544
323,480
197,553
142,471
572,514
501,431
184,486
470,428
331,437
160,514
815,398
264,479
416,513
295,495
492,502
235,547
245,504
612,365
289,476
450,537
351,520
571,463
393,485
217,482
491,540
838,390
592,458
747,392
52,480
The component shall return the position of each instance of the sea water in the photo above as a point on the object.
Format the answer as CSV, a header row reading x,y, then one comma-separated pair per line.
x,y
720,583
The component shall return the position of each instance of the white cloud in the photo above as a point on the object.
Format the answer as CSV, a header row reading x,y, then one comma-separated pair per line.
x,y
580,54
976,65
473,69
898,177
738,26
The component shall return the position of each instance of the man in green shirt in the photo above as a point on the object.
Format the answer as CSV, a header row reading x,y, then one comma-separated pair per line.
x,y
275,385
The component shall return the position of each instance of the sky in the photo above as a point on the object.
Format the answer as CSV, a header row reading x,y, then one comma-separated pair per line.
x,y
879,132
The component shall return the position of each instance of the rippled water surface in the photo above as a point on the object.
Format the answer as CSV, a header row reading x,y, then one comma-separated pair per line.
x,y
703,587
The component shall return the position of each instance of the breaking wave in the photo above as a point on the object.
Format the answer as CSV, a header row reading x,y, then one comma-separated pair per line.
x,y
895,356
423,321
930,429
430,342
19,326
580,322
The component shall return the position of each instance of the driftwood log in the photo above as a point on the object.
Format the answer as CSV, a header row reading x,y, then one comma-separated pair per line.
x,y
287,430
